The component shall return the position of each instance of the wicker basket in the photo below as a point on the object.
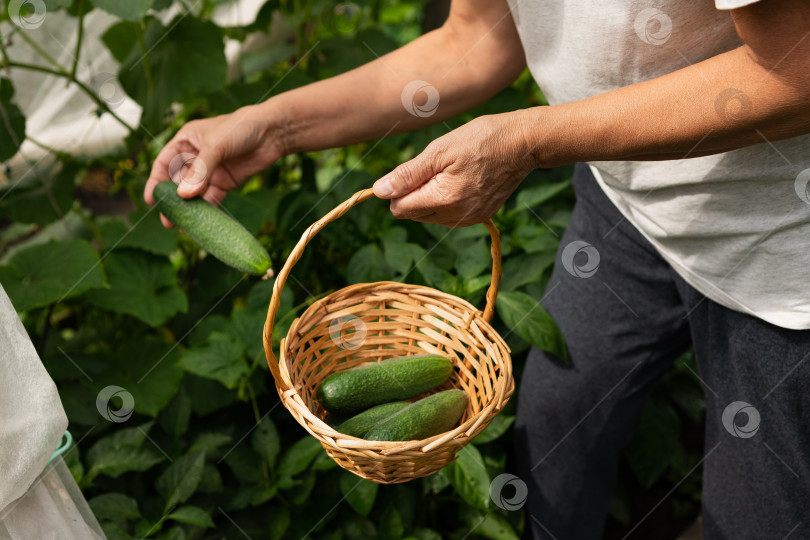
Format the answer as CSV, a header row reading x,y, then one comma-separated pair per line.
x,y
370,322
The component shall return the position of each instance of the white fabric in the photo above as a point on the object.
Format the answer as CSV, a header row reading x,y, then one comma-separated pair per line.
x,y
32,420
53,508
733,225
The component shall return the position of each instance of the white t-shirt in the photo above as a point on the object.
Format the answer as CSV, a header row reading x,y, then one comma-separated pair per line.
x,y
735,226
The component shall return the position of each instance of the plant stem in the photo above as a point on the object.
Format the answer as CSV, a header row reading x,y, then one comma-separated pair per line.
x,y
4,53
147,68
42,52
62,73
89,223
78,41
43,338
58,153
253,401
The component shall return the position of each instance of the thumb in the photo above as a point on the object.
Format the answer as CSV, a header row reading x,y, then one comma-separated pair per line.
x,y
195,181
407,177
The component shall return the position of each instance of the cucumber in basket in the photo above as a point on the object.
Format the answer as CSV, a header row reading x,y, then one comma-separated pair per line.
x,y
358,425
392,379
214,230
425,418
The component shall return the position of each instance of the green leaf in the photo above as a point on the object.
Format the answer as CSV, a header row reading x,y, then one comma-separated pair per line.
x,y
534,195
121,452
142,285
12,122
368,265
298,457
219,358
266,441
192,515
210,443
278,522
185,59
494,527
473,260
248,327
534,237
526,317
53,5
654,442
526,268
261,293
129,10
495,429
176,416
390,526
426,534
180,479
45,273
121,38
144,231
146,368
41,202
114,506
469,477
359,492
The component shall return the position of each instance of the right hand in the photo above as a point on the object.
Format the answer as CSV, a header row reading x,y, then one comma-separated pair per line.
x,y
228,148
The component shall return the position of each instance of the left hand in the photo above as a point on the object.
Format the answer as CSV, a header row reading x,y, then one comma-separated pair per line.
x,y
464,177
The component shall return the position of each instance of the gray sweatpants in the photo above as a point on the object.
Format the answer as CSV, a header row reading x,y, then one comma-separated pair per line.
x,y
624,324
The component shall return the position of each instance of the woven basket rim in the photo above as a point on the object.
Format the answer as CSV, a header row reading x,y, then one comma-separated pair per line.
x,y
393,447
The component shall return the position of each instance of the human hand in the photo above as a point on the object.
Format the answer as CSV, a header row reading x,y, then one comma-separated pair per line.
x,y
228,149
464,177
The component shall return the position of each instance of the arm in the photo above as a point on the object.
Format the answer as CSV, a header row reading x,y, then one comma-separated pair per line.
x,y
471,57
695,111
751,94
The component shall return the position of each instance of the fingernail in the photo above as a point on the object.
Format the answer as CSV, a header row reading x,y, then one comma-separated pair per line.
x,y
384,186
186,186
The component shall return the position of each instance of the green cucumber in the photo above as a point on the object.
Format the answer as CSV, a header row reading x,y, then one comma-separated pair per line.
x,y
214,230
425,418
358,425
393,379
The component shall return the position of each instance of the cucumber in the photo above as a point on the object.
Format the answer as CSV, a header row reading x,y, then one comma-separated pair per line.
x,y
214,230
393,379
357,426
425,418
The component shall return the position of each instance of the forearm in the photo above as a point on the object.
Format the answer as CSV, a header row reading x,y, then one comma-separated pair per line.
x,y
465,61
752,94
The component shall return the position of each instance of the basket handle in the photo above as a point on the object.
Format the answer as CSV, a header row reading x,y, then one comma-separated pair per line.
x,y
315,228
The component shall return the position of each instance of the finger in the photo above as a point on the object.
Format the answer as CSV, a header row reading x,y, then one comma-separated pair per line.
x,y
214,195
409,175
421,202
166,223
195,180
159,172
